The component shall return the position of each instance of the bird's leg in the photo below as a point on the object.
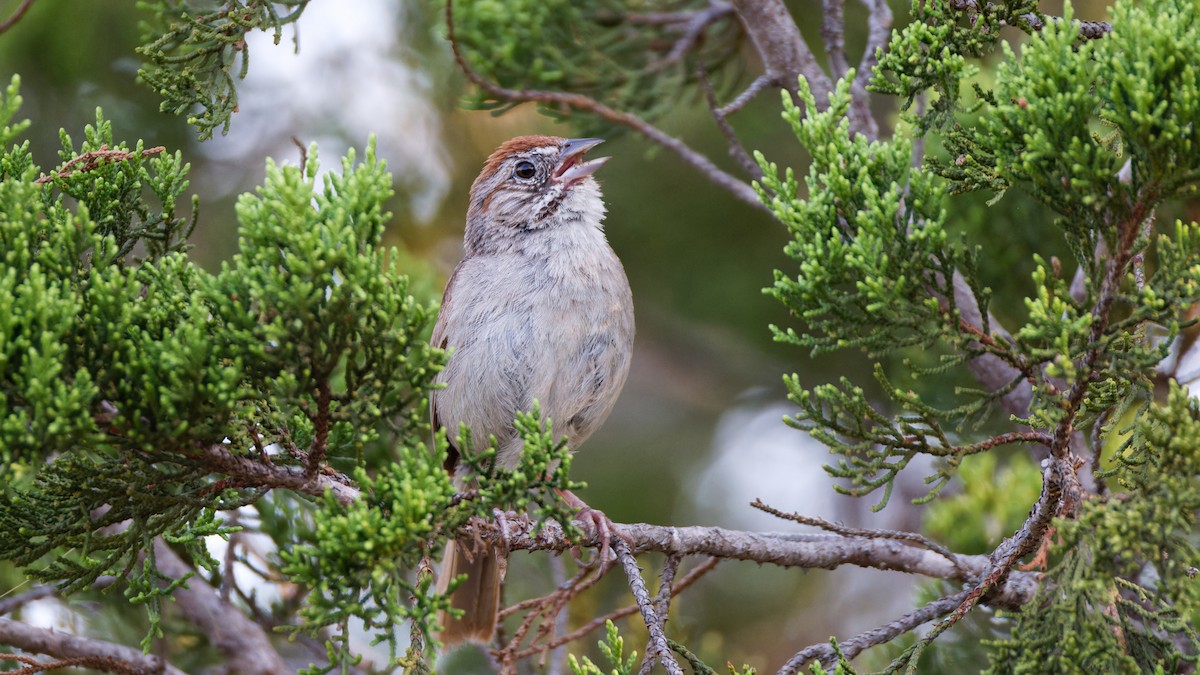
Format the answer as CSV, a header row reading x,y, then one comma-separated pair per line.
x,y
599,526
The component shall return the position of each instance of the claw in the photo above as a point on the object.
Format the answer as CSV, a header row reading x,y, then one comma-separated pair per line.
x,y
596,525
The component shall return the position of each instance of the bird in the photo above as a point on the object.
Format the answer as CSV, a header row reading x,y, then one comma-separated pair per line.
x,y
538,310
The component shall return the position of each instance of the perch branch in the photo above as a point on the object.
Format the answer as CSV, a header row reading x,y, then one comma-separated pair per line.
x,y
93,653
808,551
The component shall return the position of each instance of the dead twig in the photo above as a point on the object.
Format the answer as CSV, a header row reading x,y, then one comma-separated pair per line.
x,y
94,159
16,15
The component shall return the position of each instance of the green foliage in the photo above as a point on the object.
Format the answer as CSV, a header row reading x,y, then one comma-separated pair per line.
x,y
358,558
613,648
596,49
192,46
874,271
1124,597
1102,133
931,53
141,396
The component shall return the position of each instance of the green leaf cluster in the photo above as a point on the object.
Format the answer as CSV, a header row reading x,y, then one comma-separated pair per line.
x,y
141,396
875,270
1100,131
359,559
192,47
1124,596
933,52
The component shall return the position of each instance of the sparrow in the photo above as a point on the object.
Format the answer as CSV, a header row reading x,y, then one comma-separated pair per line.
x,y
539,309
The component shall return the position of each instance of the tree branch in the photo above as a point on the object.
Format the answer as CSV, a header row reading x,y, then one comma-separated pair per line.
x,y
704,165
16,15
10,604
856,645
262,474
98,653
808,551
658,649
246,647
781,48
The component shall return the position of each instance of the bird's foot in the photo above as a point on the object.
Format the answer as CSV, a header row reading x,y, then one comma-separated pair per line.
x,y
597,526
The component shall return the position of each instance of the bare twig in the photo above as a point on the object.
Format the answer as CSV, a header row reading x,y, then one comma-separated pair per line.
x,y
781,48
662,599
98,654
879,31
824,652
695,24
16,15
89,161
688,579
910,537
761,82
696,160
316,454
261,474
736,149
833,33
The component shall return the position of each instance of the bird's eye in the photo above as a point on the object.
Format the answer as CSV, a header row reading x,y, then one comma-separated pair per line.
x,y
525,170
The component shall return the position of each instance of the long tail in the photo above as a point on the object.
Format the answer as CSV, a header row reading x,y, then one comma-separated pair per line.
x,y
478,596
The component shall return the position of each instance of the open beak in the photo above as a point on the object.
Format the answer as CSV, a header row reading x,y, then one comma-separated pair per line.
x,y
572,167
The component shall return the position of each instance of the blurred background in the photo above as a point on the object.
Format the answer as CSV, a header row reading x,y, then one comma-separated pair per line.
x,y
697,433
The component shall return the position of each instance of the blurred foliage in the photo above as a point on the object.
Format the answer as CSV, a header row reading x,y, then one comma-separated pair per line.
x,y
632,56
994,499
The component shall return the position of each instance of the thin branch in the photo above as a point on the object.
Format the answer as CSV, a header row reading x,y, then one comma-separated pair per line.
x,y
781,48
89,161
688,579
736,149
261,474
316,455
879,31
824,652
16,16
761,82
697,22
51,642
662,599
833,33
12,603
909,537
696,160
